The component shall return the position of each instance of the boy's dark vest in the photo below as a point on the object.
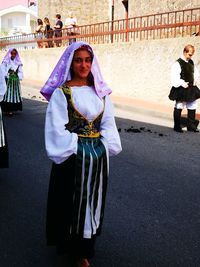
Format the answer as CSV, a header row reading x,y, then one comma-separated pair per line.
x,y
180,93
187,70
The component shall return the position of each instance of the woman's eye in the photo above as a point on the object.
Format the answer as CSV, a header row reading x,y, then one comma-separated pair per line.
x,y
77,60
88,60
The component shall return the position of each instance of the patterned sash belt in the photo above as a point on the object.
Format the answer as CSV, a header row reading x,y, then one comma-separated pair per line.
x,y
91,135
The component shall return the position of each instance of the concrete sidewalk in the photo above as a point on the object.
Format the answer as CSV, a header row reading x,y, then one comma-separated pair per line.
x,y
139,110
128,108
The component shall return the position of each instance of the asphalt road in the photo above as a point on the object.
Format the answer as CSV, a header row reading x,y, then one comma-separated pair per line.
x,y
152,216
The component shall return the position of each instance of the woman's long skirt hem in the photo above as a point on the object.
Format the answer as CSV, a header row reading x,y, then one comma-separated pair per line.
x,y
76,199
10,107
4,163
59,213
75,246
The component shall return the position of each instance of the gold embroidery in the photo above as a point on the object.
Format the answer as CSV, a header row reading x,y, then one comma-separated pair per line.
x,y
91,135
78,123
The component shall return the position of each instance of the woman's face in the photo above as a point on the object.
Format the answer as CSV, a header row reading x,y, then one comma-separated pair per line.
x,y
13,54
81,64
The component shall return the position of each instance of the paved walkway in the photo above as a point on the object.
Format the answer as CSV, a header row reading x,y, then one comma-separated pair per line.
x,y
129,108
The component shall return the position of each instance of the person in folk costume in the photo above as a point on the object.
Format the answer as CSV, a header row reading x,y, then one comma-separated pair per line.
x,y
80,135
184,76
3,141
12,67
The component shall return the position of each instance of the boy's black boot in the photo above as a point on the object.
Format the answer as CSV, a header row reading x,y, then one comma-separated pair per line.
x,y
177,120
192,123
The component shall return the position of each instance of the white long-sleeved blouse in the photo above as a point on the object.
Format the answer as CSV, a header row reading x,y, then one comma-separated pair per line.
x,y
60,143
13,66
176,80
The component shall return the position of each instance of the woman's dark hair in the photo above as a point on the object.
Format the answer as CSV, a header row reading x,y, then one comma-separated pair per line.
x,y
15,50
46,20
87,48
58,16
40,22
90,79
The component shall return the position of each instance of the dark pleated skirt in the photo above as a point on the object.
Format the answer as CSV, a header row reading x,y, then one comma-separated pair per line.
x,y
12,99
60,210
184,94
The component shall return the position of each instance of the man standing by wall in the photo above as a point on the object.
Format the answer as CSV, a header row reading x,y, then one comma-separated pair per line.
x,y
58,30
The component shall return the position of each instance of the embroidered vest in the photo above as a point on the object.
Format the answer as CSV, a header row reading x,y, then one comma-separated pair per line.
x,y
77,122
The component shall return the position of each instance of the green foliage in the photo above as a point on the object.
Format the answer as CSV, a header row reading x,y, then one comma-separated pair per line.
x,y
3,33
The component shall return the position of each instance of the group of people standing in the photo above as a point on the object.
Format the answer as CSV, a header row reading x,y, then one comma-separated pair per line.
x,y
55,33
44,30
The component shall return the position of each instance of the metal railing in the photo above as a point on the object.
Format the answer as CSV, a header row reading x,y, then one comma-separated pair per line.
x,y
156,26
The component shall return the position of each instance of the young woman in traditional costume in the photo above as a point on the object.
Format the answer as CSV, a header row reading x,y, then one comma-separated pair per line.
x,y
12,67
3,142
80,135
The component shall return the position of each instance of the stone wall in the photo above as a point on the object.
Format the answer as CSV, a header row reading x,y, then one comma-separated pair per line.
x,y
95,11
140,8
86,12
137,70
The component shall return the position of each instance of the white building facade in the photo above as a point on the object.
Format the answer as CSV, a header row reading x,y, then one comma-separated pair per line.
x,y
17,20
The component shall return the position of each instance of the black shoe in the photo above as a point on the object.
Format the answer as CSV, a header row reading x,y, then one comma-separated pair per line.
x,y
9,114
193,130
178,129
